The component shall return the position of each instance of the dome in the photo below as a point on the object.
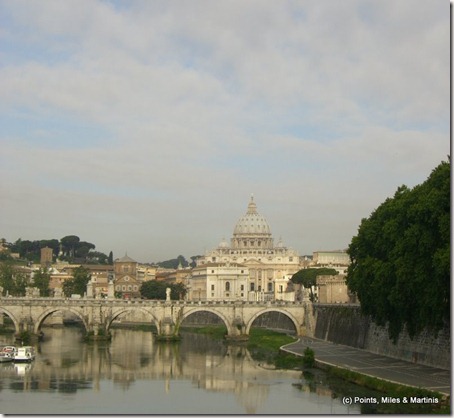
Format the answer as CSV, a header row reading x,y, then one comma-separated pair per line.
x,y
223,244
252,223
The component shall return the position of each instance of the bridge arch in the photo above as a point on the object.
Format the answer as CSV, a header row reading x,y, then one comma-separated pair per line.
x,y
189,311
268,310
12,317
39,321
120,311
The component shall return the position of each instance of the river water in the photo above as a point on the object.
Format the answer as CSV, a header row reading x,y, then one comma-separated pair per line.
x,y
134,374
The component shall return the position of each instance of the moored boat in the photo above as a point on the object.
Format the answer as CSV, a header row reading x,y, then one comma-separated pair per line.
x,y
25,353
7,353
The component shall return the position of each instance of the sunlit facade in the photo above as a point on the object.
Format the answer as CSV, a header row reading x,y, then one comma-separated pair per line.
x,y
252,245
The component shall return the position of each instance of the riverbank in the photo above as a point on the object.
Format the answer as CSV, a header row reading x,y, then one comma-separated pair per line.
x,y
399,382
376,394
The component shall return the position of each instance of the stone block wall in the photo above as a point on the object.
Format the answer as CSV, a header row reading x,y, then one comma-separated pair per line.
x,y
344,324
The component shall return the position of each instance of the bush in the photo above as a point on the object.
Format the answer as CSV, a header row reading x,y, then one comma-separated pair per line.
x,y
309,358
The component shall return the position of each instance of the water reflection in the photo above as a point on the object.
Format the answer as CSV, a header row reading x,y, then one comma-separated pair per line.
x,y
133,363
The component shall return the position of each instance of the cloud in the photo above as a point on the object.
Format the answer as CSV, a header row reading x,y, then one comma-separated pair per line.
x,y
148,124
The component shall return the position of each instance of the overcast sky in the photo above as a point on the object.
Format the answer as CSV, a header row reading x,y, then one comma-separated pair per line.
x,y
145,126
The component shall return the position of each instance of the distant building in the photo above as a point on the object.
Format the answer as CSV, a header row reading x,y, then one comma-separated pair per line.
x,y
338,259
252,245
218,281
126,282
146,272
46,256
333,289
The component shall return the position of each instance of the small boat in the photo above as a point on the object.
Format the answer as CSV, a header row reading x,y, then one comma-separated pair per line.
x,y
7,353
25,353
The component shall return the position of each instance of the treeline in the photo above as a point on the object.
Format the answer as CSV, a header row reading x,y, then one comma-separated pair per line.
x,y
69,248
174,263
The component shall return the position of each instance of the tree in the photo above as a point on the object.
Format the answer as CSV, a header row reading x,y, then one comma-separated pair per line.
x,y
69,245
41,280
157,290
82,249
110,258
400,258
173,263
177,291
308,277
78,283
13,281
153,290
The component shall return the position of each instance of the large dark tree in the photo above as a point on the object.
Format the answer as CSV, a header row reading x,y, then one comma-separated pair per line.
x,y
69,245
400,258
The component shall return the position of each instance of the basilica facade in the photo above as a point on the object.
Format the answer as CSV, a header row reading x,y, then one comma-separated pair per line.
x,y
269,266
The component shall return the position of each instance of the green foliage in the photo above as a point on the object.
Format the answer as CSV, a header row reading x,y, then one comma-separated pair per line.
x,y
78,283
157,290
173,263
71,246
308,277
400,267
41,279
309,357
217,332
12,279
264,344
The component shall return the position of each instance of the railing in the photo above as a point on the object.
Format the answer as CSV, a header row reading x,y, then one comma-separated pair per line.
x,y
142,302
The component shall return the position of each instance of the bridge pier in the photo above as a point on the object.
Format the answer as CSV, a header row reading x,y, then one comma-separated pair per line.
x,y
238,331
168,330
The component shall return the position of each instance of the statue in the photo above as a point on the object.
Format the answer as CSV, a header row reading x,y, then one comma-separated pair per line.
x,y
168,294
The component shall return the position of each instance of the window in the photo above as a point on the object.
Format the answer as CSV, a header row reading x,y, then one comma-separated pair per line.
x,y
212,287
227,286
270,287
242,287
252,287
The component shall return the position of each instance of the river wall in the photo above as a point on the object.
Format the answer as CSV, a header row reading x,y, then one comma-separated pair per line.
x,y
344,324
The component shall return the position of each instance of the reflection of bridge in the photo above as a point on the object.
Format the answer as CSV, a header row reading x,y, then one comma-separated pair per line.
x,y
97,315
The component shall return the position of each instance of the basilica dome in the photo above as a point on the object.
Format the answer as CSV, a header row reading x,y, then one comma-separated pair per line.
x,y
252,223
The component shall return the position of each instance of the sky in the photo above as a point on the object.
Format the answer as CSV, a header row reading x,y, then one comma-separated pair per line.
x,y
144,127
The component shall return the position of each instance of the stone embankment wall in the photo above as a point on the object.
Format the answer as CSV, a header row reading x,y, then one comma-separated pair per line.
x,y
344,324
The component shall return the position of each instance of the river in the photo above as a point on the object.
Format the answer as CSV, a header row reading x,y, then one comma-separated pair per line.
x,y
134,374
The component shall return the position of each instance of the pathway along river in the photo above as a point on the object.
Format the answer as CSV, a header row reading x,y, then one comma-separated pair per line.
x,y
134,374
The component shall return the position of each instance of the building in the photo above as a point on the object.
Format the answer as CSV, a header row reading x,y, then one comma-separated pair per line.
x,y
252,245
338,259
126,282
46,256
218,281
333,289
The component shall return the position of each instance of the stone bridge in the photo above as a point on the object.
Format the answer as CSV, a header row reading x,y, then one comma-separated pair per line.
x,y
28,314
